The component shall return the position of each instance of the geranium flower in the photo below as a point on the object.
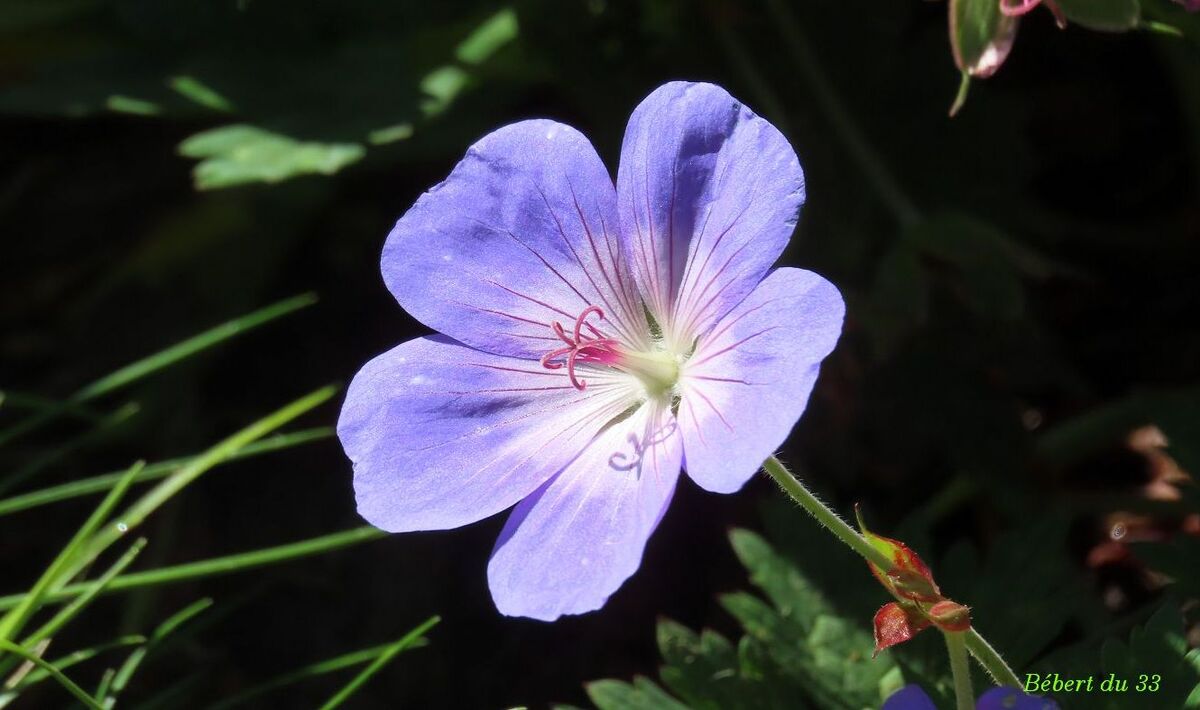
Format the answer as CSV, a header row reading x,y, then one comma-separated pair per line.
x,y
594,341
912,697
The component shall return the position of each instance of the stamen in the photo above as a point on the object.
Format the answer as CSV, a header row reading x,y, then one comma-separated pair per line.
x,y
581,348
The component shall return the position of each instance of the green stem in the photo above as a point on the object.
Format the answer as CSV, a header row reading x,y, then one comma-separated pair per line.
x,y
991,660
964,697
824,514
976,644
189,571
79,693
840,118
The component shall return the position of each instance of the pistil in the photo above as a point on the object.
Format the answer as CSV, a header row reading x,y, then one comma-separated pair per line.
x,y
657,370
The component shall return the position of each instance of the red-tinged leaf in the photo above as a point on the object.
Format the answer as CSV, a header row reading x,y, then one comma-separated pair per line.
x,y
909,577
950,616
896,624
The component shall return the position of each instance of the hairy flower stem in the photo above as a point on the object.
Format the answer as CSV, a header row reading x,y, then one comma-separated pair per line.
x,y
976,644
956,646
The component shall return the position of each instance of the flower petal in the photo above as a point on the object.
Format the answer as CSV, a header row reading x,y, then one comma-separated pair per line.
x,y
522,233
571,544
442,435
750,377
910,697
708,195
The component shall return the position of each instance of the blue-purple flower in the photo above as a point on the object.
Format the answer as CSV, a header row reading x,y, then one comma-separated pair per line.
x,y
912,697
594,341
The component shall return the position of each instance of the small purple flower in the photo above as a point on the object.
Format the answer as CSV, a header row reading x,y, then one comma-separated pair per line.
x,y
595,340
912,697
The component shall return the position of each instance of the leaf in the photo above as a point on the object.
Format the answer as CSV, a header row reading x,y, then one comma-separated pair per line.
x,y
908,577
643,694
1103,15
896,624
1024,591
241,153
1175,558
788,590
1158,648
809,645
980,36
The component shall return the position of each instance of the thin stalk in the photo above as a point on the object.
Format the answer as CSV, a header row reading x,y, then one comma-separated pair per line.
x,y
215,566
991,660
158,361
975,643
964,696
63,569
840,118
152,472
312,670
177,481
382,660
824,514
79,693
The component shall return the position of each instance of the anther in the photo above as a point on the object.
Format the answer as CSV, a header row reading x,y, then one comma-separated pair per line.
x,y
580,347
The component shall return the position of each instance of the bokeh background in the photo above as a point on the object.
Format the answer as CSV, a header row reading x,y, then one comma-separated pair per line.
x,y
1016,392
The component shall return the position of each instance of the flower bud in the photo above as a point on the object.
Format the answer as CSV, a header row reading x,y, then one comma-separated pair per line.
x,y
950,616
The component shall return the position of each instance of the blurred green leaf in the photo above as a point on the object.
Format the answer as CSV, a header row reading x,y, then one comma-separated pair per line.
x,y
241,153
643,694
1158,648
1104,15
200,93
494,33
1177,559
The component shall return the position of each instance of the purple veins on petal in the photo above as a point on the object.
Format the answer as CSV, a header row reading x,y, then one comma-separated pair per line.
x,y
569,546
518,236
442,435
708,194
750,377
594,338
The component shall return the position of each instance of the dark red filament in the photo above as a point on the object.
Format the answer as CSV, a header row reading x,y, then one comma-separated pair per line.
x,y
595,348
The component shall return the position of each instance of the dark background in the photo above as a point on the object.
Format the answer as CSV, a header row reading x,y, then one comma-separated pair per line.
x,y
1010,271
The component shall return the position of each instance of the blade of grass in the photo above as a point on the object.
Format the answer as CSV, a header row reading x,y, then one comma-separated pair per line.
x,y
25,667
135,659
380,661
77,605
153,472
80,656
36,403
217,565
79,693
160,360
177,481
91,590
178,695
105,682
54,454
64,567
10,694
329,665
